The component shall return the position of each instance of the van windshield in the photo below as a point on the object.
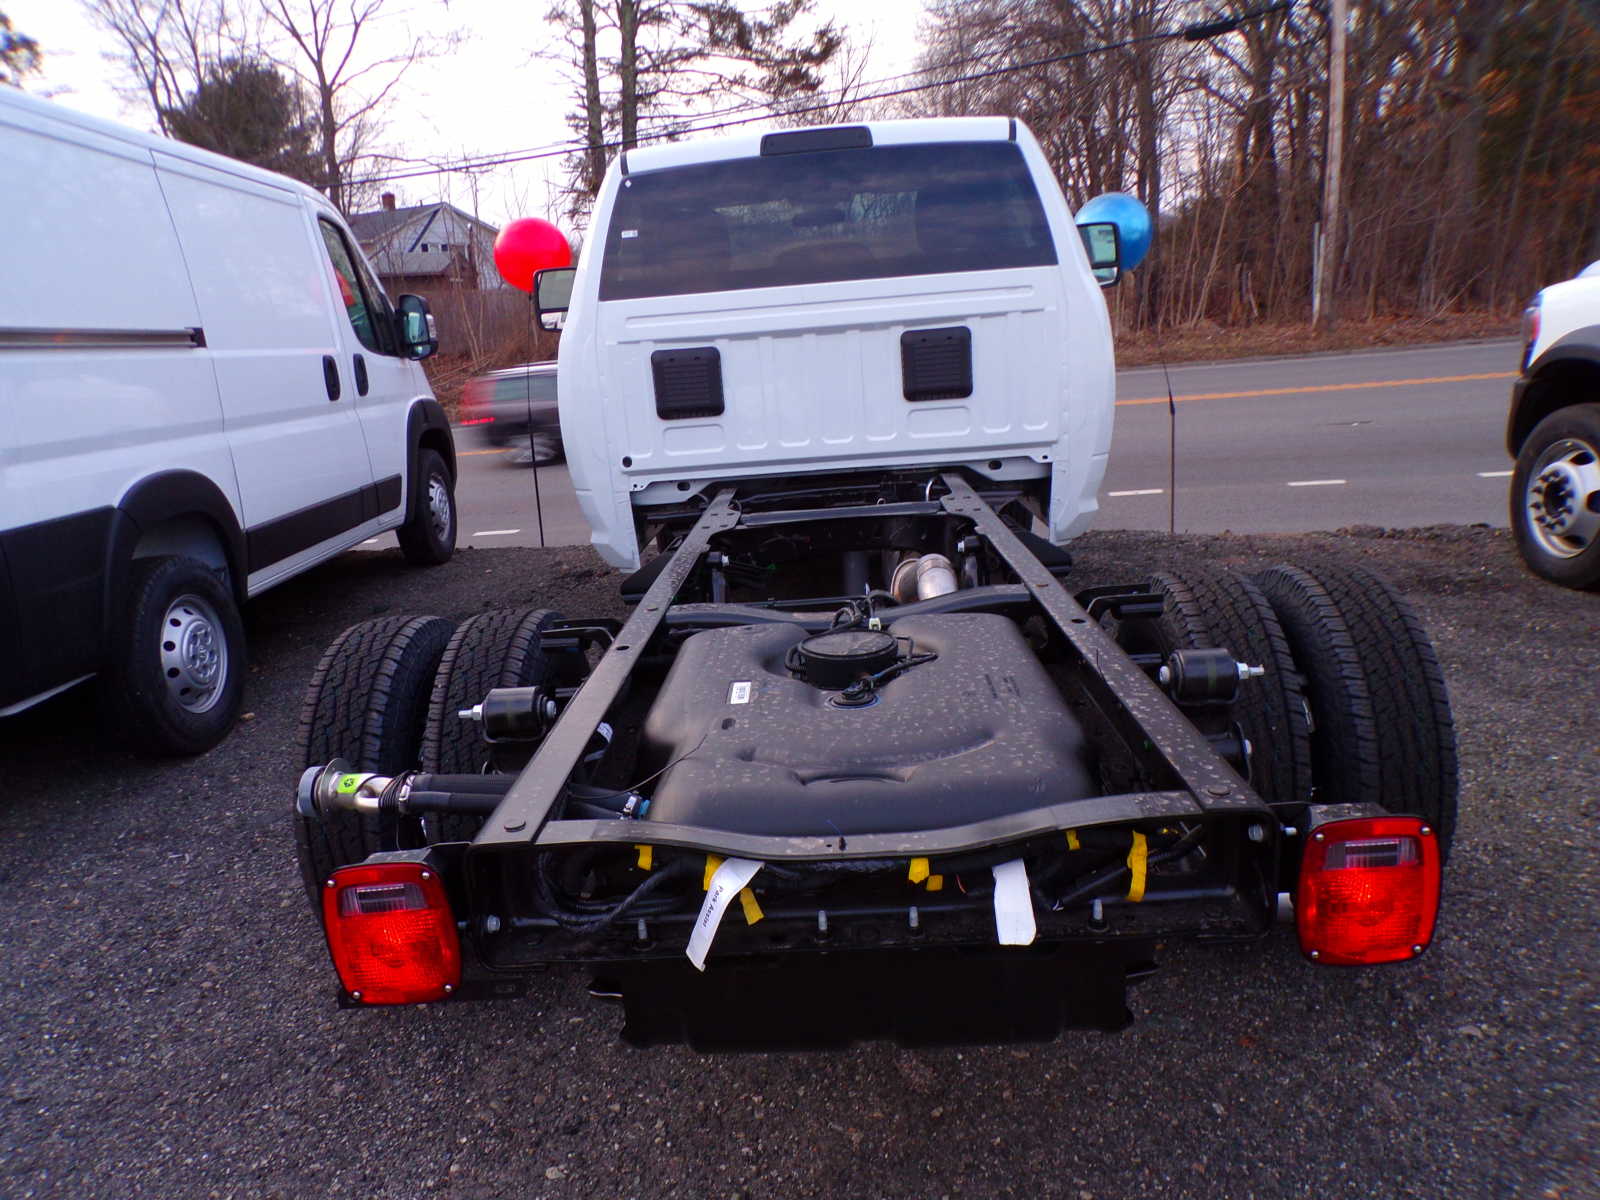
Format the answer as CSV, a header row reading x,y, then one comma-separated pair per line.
x,y
823,217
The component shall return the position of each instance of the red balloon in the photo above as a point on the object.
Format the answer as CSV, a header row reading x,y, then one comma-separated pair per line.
x,y
526,246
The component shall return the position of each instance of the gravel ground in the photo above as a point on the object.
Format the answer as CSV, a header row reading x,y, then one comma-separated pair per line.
x,y
167,1026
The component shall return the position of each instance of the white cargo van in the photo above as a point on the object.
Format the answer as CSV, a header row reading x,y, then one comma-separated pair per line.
x,y
203,391
834,300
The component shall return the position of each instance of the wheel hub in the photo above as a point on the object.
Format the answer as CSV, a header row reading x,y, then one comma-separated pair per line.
x,y
1563,498
439,507
194,655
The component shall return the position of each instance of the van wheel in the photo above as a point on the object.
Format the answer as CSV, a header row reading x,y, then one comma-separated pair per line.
x,y
366,703
429,537
494,649
176,674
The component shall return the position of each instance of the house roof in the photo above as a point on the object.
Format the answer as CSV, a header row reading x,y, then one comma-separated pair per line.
x,y
373,226
368,226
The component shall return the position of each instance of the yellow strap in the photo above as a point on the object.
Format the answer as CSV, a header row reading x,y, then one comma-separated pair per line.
x,y
1072,840
646,857
935,883
918,871
1138,858
752,910
713,861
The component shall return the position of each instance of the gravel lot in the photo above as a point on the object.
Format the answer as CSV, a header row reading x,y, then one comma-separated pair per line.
x,y
168,1027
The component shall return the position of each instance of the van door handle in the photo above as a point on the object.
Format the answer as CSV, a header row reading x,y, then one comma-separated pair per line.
x,y
361,375
330,376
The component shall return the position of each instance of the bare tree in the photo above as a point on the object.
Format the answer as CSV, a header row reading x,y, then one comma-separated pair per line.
x,y
19,54
168,47
320,40
647,68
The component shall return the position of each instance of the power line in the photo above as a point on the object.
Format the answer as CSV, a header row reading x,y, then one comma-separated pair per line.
x,y
1198,31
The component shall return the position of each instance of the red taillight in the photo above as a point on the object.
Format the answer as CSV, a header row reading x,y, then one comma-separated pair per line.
x,y
475,403
1368,890
391,933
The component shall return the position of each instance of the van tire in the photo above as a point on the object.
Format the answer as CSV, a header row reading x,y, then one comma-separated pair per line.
x,y
366,703
175,675
428,538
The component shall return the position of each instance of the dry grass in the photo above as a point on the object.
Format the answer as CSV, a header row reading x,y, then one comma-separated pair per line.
x,y
1208,341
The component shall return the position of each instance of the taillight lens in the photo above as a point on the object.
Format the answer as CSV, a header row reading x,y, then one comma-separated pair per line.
x,y
1368,890
391,933
474,403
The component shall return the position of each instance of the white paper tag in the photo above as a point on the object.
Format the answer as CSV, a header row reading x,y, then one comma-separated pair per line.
x,y
733,875
630,233
739,693
1013,904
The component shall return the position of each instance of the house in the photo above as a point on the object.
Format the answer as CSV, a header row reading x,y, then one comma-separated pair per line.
x,y
425,247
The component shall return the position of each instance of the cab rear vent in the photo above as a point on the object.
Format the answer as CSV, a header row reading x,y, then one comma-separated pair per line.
x,y
936,364
688,383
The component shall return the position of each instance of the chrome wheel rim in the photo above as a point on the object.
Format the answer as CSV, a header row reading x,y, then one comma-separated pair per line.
x,y
1562,499
439,508
194,654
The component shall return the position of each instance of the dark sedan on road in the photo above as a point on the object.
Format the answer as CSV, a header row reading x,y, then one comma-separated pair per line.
x,y
516,408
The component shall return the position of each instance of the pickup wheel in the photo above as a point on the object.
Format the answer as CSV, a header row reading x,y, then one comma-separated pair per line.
x,y
175,677
1222,609
1555,498
428,538
1383,730
494,649
367,703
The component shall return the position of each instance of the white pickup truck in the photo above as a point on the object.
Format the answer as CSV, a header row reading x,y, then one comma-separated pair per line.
x,y
859,764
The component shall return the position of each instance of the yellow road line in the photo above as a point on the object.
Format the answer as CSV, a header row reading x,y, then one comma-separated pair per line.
x,y
496,450
1324,387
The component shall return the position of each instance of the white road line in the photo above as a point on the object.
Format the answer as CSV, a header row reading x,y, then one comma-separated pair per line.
x,y
1494,474
495,532
1317,482
1140,492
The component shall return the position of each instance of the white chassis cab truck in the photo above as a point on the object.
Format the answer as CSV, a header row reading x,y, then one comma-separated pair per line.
x,y
860,764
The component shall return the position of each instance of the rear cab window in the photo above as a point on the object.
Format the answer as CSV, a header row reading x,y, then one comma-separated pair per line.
x,y
822,217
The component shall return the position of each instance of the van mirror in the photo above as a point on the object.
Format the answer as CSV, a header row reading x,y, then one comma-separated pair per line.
x,y
418,336
1103,241
552,295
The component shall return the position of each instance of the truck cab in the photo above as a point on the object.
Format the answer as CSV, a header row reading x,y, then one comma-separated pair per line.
x,y
827,301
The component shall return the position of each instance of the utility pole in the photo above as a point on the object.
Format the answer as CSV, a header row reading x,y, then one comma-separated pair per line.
x,y
1322,315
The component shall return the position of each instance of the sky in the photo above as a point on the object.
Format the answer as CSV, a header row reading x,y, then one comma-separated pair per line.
x,y
493,94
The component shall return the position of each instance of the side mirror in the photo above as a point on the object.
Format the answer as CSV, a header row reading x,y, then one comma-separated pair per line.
x,y
418,336
552,295
1103,241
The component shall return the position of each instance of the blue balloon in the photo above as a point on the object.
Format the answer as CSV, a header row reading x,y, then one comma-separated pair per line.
x,y
1130,217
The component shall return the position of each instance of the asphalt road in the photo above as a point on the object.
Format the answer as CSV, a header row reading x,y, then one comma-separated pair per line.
x,y
1382,437
167,1025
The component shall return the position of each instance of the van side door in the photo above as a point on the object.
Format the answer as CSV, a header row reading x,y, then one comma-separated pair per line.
x,y
261,280
385,383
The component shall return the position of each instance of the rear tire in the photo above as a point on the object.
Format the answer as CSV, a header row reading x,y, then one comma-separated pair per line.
x,y
367,703
1383,731
1219,609
428,538
175,676
494,649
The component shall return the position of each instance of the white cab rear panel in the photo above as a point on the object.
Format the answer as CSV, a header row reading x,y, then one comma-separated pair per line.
x,y
812,374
